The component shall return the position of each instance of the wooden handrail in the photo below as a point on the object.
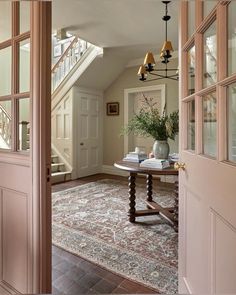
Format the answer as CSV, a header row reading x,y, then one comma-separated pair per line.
x,y
64,54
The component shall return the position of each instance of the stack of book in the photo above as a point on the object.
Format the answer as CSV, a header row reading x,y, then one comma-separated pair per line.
x,y
135,157
155,163
174,157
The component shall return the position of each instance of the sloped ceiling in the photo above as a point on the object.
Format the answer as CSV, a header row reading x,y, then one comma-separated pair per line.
x,y
112,23
126,29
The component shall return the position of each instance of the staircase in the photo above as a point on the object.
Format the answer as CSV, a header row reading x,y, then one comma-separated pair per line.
x,y
5,128
70,66
59,172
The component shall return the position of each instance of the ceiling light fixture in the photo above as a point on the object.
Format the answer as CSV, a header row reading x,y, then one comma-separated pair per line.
x,y
165,55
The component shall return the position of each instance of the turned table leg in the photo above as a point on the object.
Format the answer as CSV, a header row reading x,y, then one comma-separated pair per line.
x,y
176,207
149,189
132,179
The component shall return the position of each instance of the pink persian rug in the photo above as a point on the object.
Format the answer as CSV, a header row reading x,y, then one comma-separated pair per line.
x,y
91,221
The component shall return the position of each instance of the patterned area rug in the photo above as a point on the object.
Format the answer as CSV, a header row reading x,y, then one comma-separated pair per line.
x,y
91,221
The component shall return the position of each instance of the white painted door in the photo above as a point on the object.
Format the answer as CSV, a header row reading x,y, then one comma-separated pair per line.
x,y
89,134
207,225
25,227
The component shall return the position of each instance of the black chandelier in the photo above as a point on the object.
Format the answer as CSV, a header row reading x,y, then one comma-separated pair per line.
x,y
165,55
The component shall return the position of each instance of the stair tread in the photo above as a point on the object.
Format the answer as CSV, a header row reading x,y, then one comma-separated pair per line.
x,y
54,156
57,164
60,173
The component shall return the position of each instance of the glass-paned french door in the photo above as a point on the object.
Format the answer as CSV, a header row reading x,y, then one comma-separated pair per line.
x,y
211,38
15,75
207,220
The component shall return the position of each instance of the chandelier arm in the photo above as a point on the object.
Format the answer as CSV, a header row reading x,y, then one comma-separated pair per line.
x,y
172,78
163,70
155,79
176,75
158,75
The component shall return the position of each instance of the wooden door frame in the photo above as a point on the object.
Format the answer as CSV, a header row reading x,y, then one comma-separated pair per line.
x,y
41,144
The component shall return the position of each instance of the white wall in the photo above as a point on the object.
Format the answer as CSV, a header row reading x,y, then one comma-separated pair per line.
x,y
114,143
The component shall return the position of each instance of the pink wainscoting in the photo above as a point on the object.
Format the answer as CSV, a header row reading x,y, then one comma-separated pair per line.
x,y
15,234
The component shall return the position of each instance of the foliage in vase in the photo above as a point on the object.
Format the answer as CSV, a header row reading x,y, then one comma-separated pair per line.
x,y
149,122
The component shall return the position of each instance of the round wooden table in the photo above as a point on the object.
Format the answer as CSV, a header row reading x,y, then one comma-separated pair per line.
x,y
170,214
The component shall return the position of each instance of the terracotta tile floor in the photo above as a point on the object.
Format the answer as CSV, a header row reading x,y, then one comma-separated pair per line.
x,y
74,275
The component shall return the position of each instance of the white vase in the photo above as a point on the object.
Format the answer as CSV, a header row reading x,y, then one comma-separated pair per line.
x,y
161,149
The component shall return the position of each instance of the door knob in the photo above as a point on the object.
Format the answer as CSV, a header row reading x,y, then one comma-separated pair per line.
x,y
81,143
179,166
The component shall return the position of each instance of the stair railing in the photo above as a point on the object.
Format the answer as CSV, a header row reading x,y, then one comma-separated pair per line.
x,y
24,136
5,126
67,61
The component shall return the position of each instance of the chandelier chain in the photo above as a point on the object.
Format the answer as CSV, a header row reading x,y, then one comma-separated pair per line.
x,y
148,67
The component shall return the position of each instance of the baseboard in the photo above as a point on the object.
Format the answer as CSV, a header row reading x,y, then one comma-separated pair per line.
x,y
113,170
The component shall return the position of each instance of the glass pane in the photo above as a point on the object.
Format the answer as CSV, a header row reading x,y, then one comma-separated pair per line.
x,y
208,6
24,126
232,38
191,71
191,18
5,20
232,123
5,71
5,124
24,16
191,125
210,50
209,124
24,66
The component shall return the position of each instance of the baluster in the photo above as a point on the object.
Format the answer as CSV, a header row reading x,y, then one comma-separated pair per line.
x,y
60,74
67,65
76,51
55,74
8,131
4,126
23,136
63,69
55,79
72,57
80,48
